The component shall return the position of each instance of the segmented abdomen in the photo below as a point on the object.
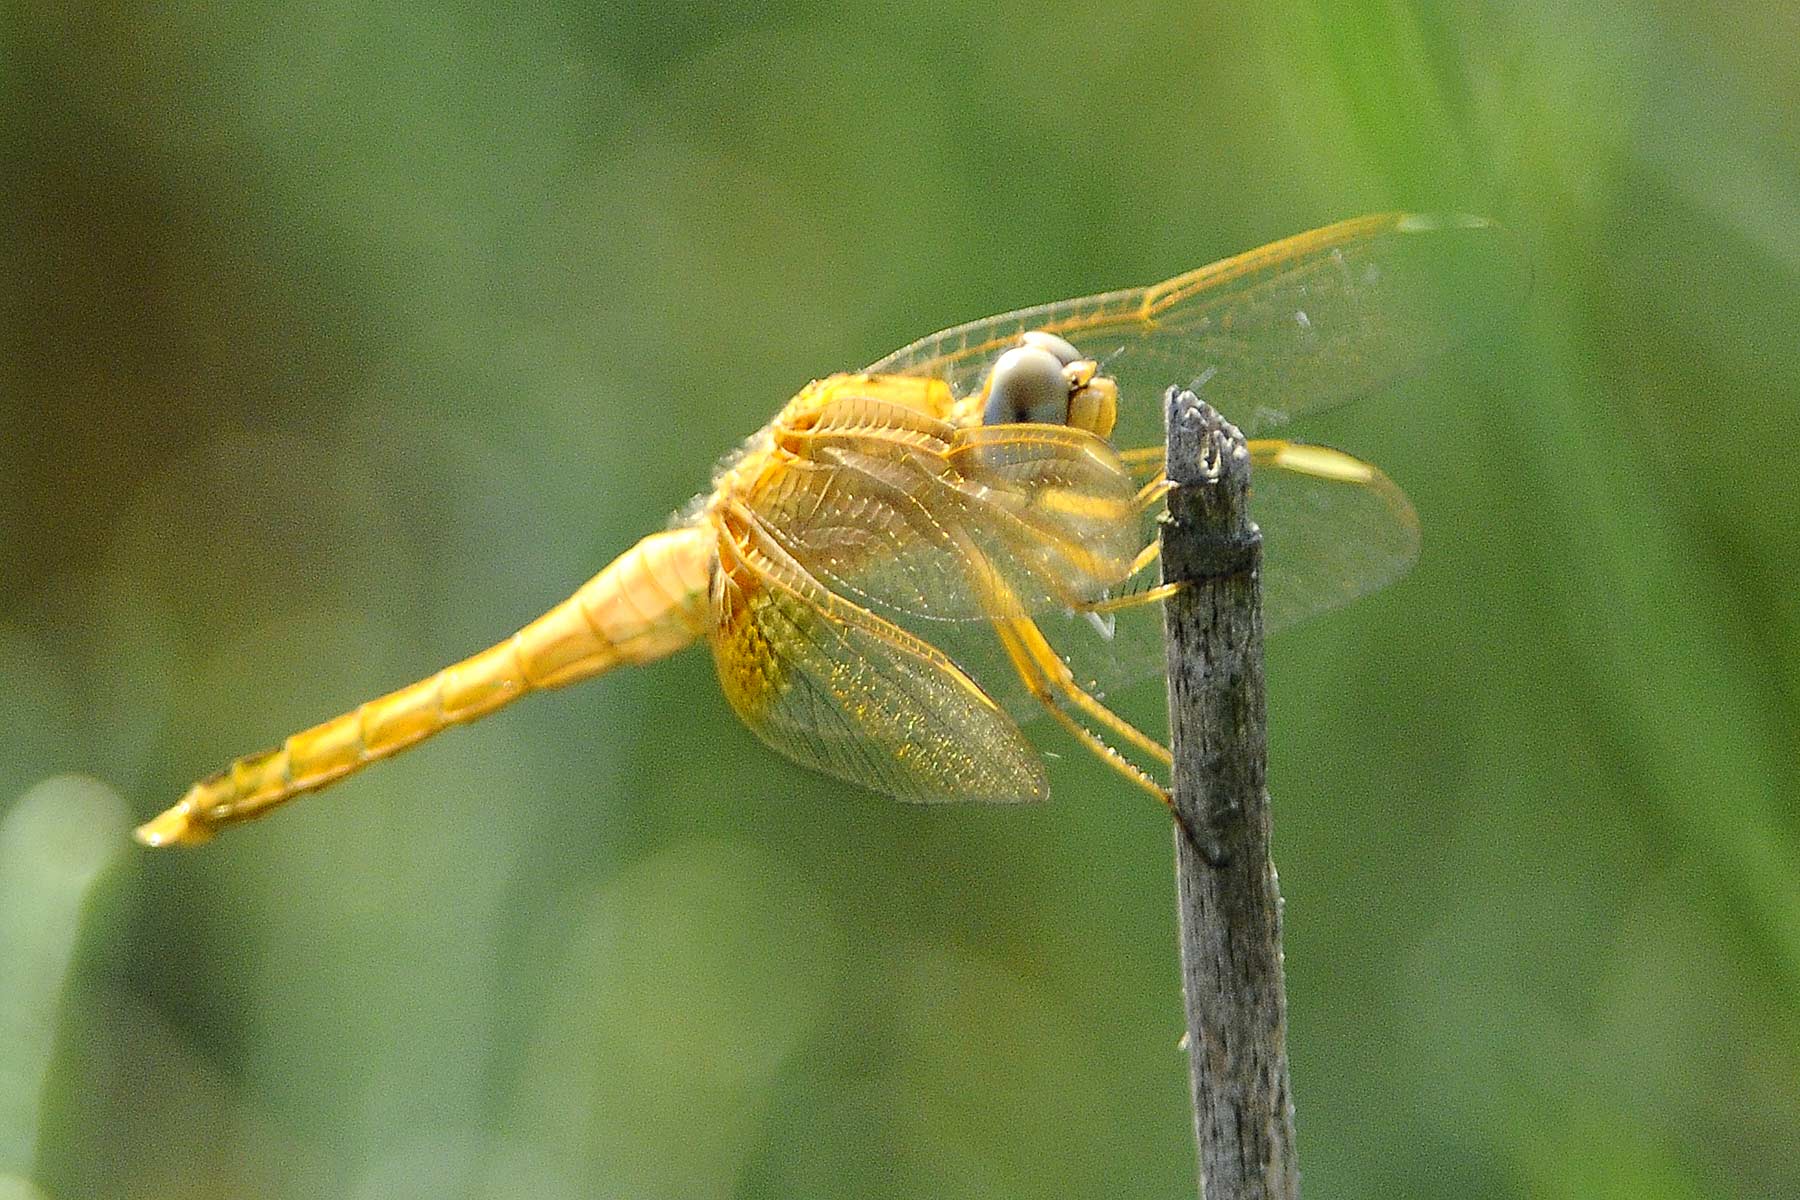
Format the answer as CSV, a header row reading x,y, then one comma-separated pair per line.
x,y
649,603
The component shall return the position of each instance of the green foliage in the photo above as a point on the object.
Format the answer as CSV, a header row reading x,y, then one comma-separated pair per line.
x,y
345,338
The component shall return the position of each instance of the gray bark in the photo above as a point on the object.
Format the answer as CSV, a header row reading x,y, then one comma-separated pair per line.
x,y
1229,898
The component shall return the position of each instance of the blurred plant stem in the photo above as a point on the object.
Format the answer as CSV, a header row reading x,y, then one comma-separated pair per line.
x,y
56,845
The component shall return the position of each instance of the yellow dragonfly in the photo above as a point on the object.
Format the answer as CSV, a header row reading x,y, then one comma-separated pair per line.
x,y
980,504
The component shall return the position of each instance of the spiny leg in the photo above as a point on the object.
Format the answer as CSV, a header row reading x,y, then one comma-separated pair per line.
x,y
1155,595
1026,664
1050,680
1109,754
1146,558
1106,753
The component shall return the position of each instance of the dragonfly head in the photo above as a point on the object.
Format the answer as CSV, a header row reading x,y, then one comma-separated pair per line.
x,y
1044,380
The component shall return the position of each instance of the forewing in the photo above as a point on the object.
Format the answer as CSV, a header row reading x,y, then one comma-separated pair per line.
x,y
1289,329
836,688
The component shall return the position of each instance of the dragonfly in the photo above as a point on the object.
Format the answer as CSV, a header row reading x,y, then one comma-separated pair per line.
x,y
910,561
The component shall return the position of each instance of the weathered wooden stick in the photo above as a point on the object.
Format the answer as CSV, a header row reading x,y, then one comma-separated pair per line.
x,y
1230,902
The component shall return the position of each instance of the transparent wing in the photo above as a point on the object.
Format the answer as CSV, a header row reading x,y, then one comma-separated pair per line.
x,y
1334,528
894,519
838,689
1292,328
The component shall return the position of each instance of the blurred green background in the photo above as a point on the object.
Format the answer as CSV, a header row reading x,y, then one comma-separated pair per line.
x,y
341,339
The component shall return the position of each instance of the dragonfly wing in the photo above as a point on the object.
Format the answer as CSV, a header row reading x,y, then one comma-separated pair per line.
x,y
836,688
896,522
1334,528
1286,330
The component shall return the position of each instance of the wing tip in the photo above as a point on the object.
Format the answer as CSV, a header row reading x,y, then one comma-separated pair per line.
x,y
1439,222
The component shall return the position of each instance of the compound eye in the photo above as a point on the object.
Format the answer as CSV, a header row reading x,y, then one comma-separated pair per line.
x,y
1027,385
1038,339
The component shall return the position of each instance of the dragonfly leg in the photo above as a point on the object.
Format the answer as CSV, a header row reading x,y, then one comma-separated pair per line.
x,y
1108,754
1155,595
1018,637
1050,681
1048,678
1146,558
1154,489
1143,460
